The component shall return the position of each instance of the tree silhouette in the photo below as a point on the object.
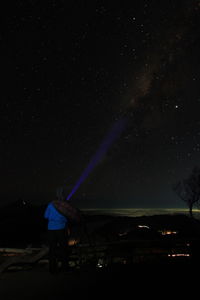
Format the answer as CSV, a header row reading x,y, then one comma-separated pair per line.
x,y
189,189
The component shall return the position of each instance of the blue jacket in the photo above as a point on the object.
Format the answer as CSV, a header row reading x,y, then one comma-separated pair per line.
x,y
56,220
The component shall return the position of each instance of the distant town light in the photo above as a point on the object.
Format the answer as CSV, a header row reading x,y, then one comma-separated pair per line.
x,y
100,263
123,233
72,242
143,226
179,255
168,232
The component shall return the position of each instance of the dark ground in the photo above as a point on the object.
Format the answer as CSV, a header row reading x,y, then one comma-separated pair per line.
x,y
127,282
154,278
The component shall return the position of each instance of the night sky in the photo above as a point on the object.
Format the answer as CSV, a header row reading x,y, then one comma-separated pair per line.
x,y
72,69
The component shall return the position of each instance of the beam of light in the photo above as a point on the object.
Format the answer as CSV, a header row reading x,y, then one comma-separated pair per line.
x,y
109,139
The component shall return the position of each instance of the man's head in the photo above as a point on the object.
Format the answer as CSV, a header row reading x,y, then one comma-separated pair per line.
x,y
61,194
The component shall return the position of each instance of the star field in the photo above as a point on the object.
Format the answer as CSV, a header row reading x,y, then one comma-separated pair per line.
x,y
71,70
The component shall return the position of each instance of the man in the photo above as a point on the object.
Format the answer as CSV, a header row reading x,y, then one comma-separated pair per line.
x,y
57,237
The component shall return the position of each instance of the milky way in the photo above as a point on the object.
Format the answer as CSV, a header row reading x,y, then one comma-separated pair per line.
x,y
70,71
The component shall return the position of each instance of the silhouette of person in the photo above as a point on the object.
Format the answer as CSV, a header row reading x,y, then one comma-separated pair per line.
x,y
57,235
